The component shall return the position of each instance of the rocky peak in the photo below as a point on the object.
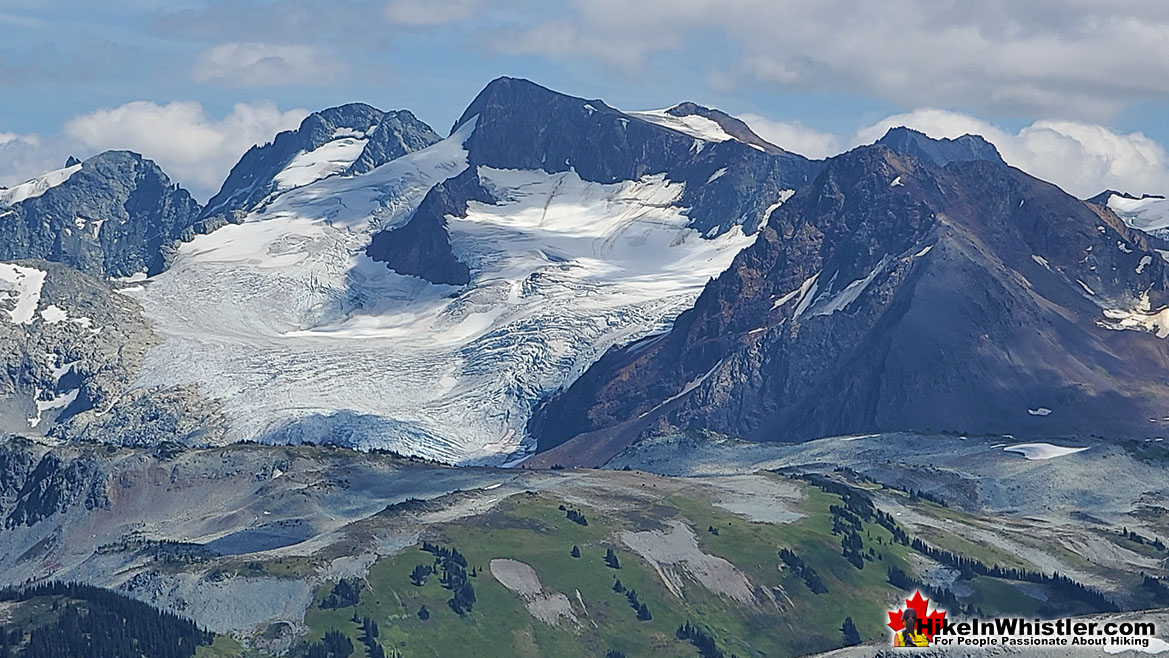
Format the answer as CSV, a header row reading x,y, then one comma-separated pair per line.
x,y
115,214
363,137
939,152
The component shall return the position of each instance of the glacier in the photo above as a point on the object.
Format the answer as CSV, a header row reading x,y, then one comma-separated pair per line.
x,y
286,323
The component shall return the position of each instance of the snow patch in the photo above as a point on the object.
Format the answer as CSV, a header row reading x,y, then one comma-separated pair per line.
x,y
1039,411
52,314
1041,451
22,286
716,175
36,186
827,305
896,182
1140,318
1145,261
56,402
1150,214
693,125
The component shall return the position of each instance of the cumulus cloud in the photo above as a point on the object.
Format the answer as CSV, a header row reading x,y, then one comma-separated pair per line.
x,y
254,64
194,148
25,156
1082,158
795,136
1044,57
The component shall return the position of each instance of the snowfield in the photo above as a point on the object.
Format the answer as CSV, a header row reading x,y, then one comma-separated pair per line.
x,y
1041,451
696,126
300,336
331,158
21,287
1150,214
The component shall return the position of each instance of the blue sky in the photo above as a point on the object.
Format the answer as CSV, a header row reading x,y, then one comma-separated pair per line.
x,y
1072,90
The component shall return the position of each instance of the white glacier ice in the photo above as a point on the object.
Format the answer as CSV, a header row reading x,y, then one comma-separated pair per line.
x,y
300,336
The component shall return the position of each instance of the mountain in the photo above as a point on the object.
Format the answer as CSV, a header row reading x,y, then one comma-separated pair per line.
x,y
348,140
114,215
939,152
425,305
516,124
892,294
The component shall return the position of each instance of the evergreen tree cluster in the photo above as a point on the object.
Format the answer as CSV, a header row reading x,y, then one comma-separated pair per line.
x,y
576,517
701,639
421,574
859,504
611,559
346,592
1158,588
805,572
643,613
333,645
849,633
453,566
1061,584
943,597
1133,536
100,622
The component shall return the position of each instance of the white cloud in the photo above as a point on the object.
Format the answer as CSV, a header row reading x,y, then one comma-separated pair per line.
x,y
430,12
26,156
795,136
1082,158
1085,60
253,64
192,147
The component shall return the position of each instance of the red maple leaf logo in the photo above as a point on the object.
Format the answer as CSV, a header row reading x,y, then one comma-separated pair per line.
x,y
919,605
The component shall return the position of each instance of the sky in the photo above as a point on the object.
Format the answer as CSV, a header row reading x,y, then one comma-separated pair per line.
x,y
1073,91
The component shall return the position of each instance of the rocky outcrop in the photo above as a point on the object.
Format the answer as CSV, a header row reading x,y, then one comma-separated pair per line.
x,y
115,214
421,247
54,485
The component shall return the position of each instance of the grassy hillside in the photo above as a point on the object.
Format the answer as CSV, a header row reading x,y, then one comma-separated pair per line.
x,y
729,580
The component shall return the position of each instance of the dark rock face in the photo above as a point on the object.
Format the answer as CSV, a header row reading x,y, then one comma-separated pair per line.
x,y
119,214
957,299
422,246
390,135
52,486
939,152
